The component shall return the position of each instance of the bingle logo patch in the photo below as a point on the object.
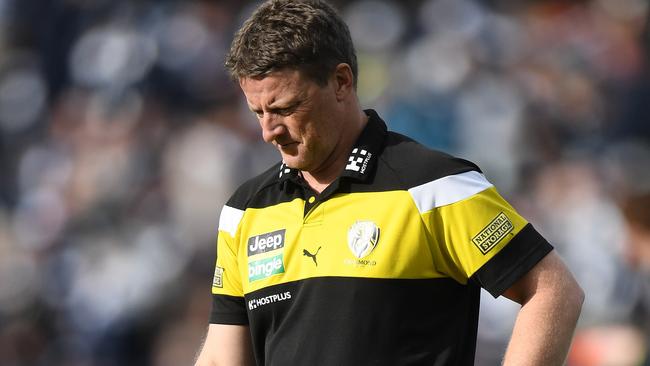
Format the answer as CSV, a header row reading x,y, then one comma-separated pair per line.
x,y
266,242
265,268
493,233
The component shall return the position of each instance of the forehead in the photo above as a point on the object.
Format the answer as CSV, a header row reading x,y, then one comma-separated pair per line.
x,y
277,85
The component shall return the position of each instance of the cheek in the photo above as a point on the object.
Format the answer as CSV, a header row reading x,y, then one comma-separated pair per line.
x,y
325,136
311,132
318,132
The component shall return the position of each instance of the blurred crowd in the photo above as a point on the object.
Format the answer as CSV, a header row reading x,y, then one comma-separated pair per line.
x,y
121,136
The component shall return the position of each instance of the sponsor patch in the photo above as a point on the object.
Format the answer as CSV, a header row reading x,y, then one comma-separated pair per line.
x,y
267,300
264,268
493,233
358,160
217,280
266,242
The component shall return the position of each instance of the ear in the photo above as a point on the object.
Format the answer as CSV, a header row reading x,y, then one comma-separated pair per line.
x,y
343,81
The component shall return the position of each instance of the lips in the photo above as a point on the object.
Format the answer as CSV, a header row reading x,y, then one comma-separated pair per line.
x,y
288,144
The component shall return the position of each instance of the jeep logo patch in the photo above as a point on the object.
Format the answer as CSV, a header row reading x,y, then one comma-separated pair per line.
x,y
493,233
266,242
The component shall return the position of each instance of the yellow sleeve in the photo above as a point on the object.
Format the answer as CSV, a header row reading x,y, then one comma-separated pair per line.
x,y
468,233
467,220
227,278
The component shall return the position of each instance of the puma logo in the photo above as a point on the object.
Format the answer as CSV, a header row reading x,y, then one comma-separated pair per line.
x,y
306,253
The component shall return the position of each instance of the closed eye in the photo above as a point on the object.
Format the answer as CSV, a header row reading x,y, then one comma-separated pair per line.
x,y
258,114
279,111
284,111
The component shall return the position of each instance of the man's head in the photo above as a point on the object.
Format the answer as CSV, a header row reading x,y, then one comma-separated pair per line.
x,y
295,63
308,36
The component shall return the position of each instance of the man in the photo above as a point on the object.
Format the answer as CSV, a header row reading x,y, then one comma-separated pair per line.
x,y
363,247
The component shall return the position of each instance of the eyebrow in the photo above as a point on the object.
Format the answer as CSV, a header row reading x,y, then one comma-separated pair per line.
x,y
283,106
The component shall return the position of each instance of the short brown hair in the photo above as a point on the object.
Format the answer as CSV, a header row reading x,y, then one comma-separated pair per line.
x,y
306,35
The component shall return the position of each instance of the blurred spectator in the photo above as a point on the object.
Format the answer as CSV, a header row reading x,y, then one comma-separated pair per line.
x,y
636,209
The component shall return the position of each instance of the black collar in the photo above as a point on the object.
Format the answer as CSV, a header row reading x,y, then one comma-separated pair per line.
x,y
363,156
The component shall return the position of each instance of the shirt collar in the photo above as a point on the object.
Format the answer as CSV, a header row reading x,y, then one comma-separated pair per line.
x,y
287,173
365,152
363,155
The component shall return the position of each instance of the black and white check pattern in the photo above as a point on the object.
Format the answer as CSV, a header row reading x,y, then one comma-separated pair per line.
x,y
357,157
284,169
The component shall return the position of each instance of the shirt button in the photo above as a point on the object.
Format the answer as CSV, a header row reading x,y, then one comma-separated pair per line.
x,y
312,199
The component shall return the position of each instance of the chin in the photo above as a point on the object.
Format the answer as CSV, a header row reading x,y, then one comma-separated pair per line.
x,y
294,162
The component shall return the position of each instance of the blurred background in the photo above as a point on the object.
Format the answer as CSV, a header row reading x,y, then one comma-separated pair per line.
x,y
121,136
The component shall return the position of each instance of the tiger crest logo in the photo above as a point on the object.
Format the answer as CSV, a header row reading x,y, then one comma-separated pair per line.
x,y
363,237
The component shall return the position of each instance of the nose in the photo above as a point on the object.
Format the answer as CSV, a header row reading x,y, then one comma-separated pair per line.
x,y
272,127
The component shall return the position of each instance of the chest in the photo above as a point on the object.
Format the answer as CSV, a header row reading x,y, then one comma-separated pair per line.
x,y
364,235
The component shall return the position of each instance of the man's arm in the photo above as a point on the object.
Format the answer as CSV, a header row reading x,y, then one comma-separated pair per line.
x,y
551,301
226,345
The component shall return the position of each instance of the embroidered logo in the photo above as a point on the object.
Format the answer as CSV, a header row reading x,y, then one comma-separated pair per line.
x,y
264,268
267,300
217,280
266,242
284,169
358,160
363,237
306,253
493,233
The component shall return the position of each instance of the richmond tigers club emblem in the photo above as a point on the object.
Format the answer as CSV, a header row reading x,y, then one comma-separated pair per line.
x,y
363,237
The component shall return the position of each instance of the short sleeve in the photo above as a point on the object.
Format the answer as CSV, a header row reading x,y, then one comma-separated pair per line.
x,y
477,235
228,305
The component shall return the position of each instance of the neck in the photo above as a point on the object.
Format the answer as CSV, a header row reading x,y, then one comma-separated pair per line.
x,y
321,178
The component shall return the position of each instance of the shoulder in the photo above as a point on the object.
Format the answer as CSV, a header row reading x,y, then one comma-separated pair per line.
x,y
233,211
254,188
415,164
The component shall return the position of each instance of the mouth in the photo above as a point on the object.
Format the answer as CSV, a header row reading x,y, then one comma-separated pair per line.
x,y
286,145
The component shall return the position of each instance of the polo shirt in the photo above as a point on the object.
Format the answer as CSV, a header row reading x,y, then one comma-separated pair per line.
x,y
384,267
